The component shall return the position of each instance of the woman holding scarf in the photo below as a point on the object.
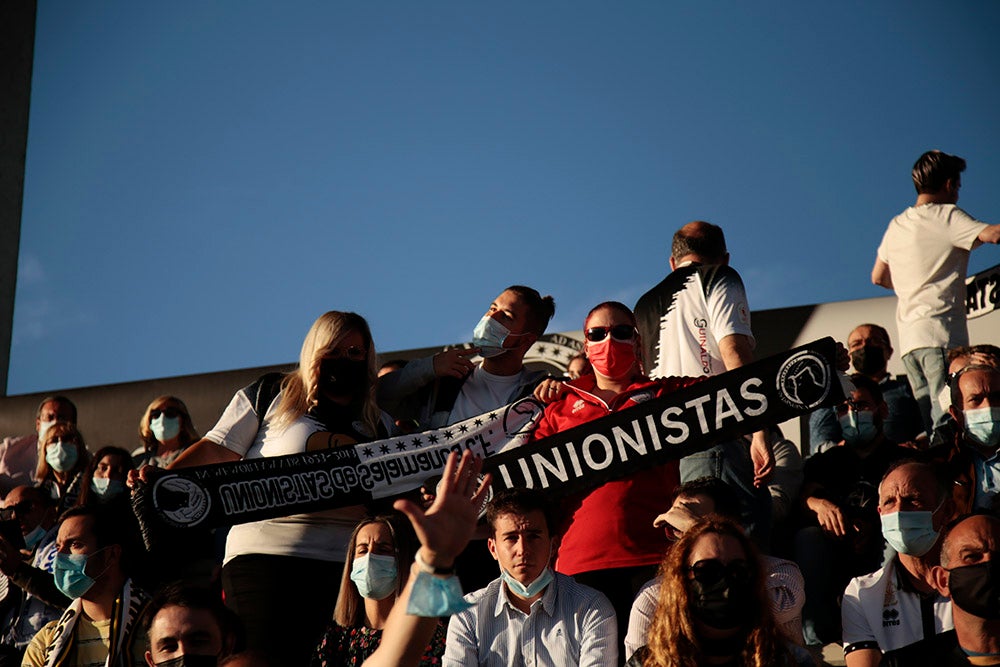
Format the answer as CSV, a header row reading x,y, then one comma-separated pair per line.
x,y
280,575
609,542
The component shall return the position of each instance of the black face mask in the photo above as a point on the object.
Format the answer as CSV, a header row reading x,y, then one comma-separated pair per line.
x,y
976,589
720,595
190,661
869,360
343,376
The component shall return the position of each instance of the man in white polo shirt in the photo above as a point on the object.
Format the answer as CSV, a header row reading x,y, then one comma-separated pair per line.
x,y
898,605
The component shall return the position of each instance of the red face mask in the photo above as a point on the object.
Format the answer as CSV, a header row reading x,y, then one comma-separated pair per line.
x,y
611,358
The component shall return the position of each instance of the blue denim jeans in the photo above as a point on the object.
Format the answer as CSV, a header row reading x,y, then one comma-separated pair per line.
x,y
927,373
730,462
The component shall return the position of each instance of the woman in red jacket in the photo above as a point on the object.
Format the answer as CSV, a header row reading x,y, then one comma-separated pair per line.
x,y
609,542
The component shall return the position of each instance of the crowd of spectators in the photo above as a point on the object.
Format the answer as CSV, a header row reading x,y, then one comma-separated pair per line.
x,y
886,540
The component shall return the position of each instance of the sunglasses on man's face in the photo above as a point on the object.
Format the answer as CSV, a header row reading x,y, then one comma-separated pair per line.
x,y
620,332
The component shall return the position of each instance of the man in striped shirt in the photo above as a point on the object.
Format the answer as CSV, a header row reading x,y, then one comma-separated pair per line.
x,y
530,615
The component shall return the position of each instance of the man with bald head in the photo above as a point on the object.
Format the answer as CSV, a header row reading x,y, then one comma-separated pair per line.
x,y
969,574
696,323
898,605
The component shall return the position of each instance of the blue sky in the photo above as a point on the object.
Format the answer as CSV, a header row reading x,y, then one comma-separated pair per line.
x,y
204,179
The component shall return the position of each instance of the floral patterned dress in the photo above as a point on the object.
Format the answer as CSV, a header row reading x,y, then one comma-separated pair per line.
x,y
349,647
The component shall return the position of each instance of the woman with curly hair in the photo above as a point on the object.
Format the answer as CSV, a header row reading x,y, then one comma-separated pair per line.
x,y
281,575
713,609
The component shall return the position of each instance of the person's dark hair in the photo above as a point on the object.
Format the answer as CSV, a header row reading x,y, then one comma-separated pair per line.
x,y
933,169
103,522
611,305
57,399
871,386
88,474
724,499
708,242
188,596
942,480
957,352
881,330
520,502
540,308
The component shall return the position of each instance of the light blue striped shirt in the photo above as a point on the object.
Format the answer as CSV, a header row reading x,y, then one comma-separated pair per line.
x,y
570,624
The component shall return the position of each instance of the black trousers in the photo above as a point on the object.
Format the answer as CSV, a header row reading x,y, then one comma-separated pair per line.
x,y
285,603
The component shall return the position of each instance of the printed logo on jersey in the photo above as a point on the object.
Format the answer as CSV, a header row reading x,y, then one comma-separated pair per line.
x,y
701,334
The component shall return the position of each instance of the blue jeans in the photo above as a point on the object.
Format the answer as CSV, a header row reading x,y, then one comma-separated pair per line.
x,y
730,462
927,373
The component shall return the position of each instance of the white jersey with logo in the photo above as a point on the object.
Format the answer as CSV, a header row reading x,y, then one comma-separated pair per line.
x,y
684,317
877,612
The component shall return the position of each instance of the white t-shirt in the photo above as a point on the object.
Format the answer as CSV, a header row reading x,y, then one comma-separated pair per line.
x,y
878,613
483,392
927,250
317,535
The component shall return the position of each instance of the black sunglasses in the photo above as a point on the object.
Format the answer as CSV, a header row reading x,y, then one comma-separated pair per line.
x,y
169,413
621,332
712,571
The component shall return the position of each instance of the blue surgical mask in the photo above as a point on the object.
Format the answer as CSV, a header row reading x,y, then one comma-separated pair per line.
x,y
34,536
434,597
858,427
529,590
107,488
982,425
165,428
910,533
489,336
375,576
62,456
70,574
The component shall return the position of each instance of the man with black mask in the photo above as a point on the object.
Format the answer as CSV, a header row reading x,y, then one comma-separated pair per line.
x,y
970,574
870,351
840,536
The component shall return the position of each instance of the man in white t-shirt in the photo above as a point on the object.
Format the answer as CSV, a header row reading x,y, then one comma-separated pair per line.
x,y
448,387
898,605
923,256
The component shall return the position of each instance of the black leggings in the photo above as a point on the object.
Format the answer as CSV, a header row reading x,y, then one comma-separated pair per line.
x,y
285,603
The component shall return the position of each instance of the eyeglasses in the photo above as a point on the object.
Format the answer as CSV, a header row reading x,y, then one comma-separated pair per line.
x,y
169,413
620,332
712,571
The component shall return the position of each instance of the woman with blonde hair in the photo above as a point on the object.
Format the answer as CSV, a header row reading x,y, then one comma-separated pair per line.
x,y
713,609
62,461
280,575
165,431
379,557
